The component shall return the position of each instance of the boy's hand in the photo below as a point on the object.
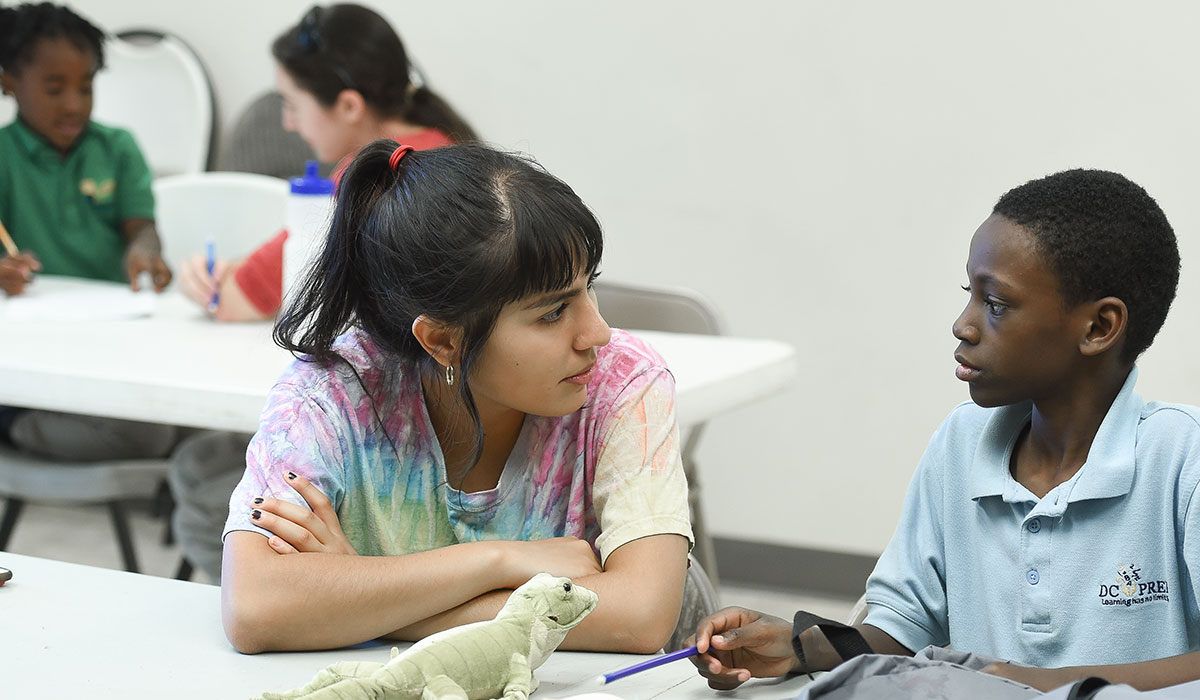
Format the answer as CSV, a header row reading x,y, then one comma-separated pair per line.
x,y
145,258
1044,679
16,271
143,253
736,644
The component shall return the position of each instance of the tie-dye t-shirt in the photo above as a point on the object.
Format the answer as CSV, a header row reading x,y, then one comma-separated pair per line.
x,y
608,473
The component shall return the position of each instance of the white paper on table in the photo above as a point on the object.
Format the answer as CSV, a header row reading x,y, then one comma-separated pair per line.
x,y
95,304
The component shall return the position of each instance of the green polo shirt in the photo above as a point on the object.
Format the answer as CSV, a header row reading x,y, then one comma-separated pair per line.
x,y
68,211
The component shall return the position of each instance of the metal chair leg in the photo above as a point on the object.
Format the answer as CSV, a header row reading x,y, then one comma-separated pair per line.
x,y
12,511
116,511
164,507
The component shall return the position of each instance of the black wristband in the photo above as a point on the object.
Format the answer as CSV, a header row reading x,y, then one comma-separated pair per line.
x,y
797,646
845,640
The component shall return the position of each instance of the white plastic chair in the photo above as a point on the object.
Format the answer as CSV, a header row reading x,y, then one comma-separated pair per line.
x,y
239,211
26,477
154,85
677,310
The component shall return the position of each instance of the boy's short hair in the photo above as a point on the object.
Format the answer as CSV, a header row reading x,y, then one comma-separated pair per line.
x,y
1103,235
23,26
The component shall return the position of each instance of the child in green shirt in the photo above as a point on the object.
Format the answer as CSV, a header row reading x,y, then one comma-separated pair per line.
x,y
75,195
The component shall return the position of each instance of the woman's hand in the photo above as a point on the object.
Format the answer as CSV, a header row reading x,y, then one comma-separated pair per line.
x,y
16,271
199,286
558,556
298,529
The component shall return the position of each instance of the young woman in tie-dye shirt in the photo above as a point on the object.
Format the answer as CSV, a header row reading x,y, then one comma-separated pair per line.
x,y
460,419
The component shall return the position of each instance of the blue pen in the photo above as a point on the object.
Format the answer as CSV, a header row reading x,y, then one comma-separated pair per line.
x,y
210,251
649,664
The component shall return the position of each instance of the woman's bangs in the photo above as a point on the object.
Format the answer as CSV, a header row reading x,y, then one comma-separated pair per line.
x,y
555,239
547,261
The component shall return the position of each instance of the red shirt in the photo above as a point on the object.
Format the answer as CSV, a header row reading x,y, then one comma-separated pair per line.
x,y
260,276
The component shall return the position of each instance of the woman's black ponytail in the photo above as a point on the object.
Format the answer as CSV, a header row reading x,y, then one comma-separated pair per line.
x,y
332,293
427,108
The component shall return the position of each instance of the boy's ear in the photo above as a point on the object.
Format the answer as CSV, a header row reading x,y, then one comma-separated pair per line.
x,y
1106,324
6,79
442,341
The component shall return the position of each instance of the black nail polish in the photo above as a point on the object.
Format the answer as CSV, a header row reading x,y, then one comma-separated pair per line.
x,y
258,501
256,514
291,475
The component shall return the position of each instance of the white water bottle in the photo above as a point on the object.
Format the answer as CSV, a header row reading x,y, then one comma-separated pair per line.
x,y
309,211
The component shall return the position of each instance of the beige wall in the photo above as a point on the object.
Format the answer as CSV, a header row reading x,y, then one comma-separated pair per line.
x,y
817,169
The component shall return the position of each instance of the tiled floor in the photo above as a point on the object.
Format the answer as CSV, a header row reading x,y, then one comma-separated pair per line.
x,y
84,535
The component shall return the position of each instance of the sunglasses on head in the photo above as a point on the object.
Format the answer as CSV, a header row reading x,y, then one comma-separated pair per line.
x,y
310,42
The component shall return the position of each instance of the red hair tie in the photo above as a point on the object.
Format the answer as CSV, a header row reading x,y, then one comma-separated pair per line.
x,y
397,154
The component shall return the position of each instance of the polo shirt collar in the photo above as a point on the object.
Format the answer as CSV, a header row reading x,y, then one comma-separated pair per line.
x,y
989,474
27,138
1107,473
38,147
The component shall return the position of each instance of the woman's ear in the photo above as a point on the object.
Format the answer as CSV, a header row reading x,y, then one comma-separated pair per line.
x,y
350,106
1106,324
442,341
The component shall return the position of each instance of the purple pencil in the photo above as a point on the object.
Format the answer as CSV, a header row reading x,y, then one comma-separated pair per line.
x,y
649,664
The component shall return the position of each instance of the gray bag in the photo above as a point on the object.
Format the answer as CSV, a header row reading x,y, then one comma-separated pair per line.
x,y
936,673
933,674
1101,690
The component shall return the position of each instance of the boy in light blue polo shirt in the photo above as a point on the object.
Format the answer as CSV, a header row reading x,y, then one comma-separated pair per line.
x,y
1053,521
1101,569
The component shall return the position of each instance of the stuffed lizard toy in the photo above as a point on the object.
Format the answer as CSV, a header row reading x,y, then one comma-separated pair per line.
x,y
478,661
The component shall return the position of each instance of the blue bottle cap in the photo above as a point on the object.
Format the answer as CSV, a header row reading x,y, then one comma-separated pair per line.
x,y
312,182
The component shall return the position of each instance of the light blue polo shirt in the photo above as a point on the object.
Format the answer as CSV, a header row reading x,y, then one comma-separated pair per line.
x,y
1103,569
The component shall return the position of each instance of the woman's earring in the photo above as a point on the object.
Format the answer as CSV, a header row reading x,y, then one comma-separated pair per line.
x,y
449,375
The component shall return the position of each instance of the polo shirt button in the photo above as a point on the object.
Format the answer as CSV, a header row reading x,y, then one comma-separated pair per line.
x,y
1035,525
1033,577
